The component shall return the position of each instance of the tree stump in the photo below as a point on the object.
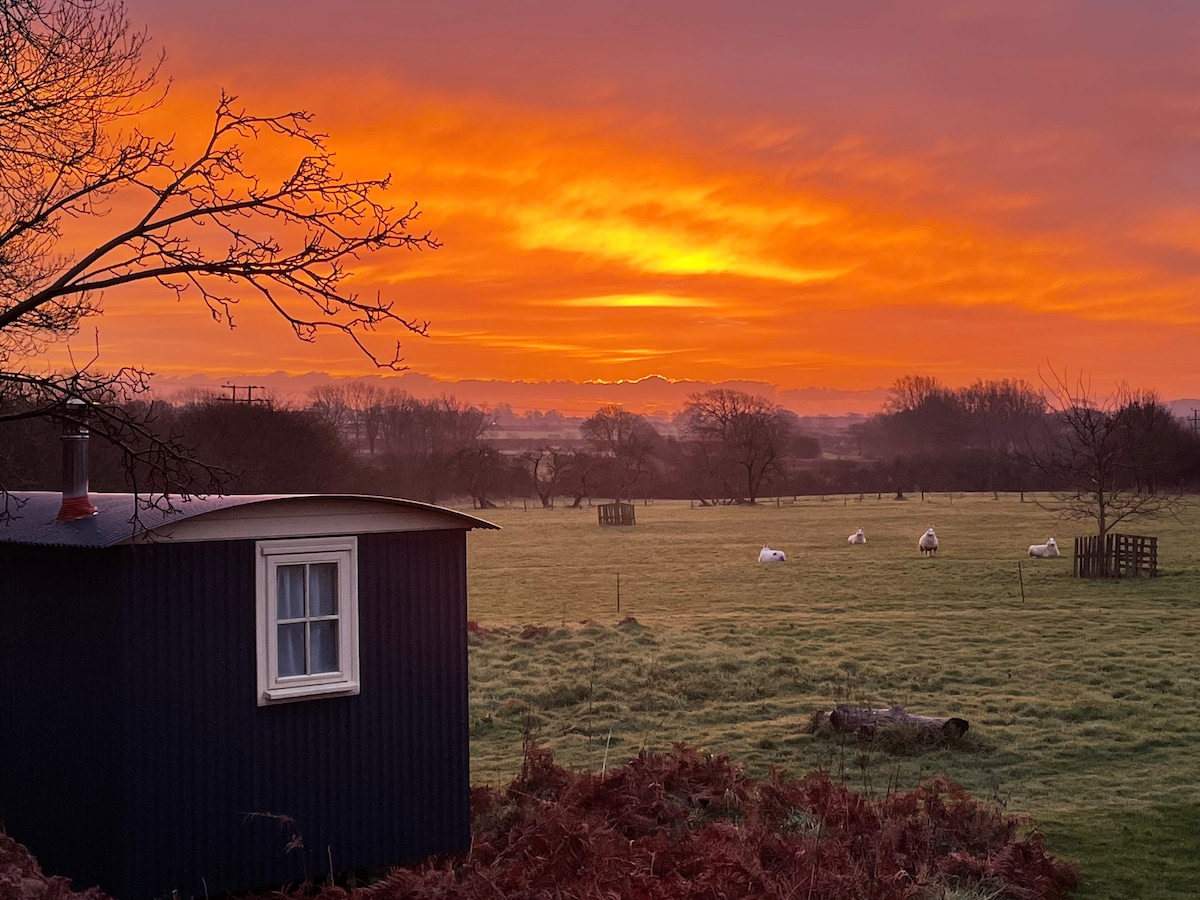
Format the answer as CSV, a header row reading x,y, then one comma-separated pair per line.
x,y
866,722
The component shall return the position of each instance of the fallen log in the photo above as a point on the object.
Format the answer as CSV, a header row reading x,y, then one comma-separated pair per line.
x,y
866,722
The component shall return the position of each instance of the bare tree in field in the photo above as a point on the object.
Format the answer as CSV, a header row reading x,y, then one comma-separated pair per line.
x,y
548,465
709,478
627,441
578,475
740,436
90,206
1100,451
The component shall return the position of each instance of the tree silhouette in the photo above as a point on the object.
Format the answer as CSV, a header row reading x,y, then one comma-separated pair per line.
x,y
739,437
627,441
199,225
1099,451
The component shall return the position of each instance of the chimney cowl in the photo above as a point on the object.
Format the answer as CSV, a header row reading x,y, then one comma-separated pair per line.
x,y
75,501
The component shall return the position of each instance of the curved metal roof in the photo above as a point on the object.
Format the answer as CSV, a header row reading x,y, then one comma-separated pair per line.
x,y
131,518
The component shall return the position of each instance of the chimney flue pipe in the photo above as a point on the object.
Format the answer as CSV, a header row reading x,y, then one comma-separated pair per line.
x,y
75,502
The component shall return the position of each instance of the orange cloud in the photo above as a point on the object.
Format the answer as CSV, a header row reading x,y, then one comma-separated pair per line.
x,y
601,244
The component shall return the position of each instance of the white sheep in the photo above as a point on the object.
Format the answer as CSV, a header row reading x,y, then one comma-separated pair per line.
x,y
769,555
857,538
1048,550
928,543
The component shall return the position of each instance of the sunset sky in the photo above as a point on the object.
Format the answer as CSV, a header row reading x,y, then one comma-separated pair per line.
x,y
789,194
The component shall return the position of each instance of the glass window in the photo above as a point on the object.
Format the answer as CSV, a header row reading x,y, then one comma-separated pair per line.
x,y
307,618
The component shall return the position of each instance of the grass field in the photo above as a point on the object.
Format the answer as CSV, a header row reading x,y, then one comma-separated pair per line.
x,y
1081,697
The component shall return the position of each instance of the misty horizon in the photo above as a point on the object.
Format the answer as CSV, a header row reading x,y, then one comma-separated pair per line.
x,y
652,395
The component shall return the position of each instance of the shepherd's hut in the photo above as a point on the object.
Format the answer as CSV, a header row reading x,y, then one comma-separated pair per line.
x,y
233,692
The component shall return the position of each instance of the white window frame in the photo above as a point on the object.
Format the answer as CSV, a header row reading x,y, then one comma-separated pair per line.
x,y
270,555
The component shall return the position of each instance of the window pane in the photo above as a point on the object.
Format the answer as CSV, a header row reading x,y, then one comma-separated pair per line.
x,y
322,589
323,636
289,590
291,649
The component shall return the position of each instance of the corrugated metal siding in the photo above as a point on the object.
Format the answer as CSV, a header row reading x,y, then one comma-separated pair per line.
x,y
133,753
189,703
209,776
420,660
59,719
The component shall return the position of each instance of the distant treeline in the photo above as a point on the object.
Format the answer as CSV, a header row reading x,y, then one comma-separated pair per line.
x,y
726,447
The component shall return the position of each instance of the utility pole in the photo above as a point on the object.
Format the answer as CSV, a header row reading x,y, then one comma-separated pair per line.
x,y
249,398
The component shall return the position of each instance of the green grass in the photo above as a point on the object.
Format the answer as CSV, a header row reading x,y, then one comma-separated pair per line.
x,y
1079,697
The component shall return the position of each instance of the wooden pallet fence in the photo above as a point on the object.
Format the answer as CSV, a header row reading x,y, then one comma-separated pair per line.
x,y
1116,556
616,514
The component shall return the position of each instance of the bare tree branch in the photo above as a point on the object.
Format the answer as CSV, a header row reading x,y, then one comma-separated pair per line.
x,y
72,76
1101,452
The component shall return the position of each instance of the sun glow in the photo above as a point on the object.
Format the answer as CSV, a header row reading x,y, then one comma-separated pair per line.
x,y
639,301
598,241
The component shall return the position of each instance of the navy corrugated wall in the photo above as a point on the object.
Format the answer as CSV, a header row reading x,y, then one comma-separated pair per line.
x,y
60,672
214,793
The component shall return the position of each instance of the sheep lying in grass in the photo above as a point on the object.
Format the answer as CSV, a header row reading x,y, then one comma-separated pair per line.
x,y
1048,550
857,538
769,555
928,543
